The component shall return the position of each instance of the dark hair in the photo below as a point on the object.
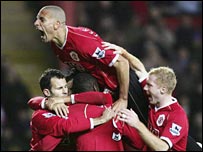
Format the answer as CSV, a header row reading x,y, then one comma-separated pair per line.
x,y
83,82
45,78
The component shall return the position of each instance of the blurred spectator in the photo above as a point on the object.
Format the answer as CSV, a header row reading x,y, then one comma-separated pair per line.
x,y
184,100
185,31
152,57
14,97
3,119
196,126
188,7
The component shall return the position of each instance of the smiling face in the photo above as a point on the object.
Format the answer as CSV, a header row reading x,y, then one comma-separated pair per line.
x,y
45,23
152,89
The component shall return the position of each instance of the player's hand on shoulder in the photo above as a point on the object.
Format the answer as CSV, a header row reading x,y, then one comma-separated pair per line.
x,y
110,46
61,109
120,104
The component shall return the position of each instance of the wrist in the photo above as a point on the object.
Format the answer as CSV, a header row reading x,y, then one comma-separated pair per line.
x,y
68,99
123,98
98,121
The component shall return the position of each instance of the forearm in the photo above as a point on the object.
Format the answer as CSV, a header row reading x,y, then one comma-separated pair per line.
x,y
135,63
152,141
108,114
122,69
98,121
91,97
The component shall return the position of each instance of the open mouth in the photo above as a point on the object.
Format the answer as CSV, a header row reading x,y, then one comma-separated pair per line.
x,y
41,32
149,97
43,35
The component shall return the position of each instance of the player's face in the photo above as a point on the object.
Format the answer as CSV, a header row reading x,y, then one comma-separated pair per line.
x,y
45,24
59,87
152,90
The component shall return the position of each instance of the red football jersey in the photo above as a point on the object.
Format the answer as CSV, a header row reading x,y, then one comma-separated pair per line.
x,y
49,128
82,50
170,123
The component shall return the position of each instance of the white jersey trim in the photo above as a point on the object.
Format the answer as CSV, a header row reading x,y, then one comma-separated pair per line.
x,y
143,77
167,140
114,60
65,40
43,103
72,98
91,123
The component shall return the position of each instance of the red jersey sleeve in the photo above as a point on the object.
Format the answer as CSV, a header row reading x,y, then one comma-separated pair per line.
x,y
35,102
47,123
93,97
131,134
143,82
176,130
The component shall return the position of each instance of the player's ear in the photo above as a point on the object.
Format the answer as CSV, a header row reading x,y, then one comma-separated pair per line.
x,y
46,92
163,90
57,25
96,88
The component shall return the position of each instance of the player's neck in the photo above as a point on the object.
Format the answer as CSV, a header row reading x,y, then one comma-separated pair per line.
x,y
60,37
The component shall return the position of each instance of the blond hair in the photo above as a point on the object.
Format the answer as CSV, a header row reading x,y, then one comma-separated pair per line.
x,y
165,78
56,12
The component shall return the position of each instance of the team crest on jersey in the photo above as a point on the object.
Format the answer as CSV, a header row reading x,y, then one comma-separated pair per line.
x,y
160,120
116,136
175,129
99,53
74,56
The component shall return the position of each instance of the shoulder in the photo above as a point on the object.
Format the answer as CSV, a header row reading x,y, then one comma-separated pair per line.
x,y
42,113
83,31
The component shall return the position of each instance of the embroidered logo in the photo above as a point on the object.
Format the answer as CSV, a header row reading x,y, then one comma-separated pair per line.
x,y
74,56
175,129
99,53
116,137
160,120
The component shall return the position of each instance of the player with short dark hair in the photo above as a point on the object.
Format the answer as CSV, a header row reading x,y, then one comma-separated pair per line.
x,y
48,129
80,48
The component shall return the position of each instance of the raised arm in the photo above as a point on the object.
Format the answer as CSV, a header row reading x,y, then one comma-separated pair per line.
x,y
122,71
134,62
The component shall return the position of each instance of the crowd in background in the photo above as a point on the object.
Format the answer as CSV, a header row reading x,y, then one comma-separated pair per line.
x,y
159,33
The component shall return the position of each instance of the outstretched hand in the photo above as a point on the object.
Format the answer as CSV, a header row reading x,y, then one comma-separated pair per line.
x,y
110,46
108,114
57,104
61,110
128,116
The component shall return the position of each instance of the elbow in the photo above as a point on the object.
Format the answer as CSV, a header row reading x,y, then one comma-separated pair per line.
x,y
124,62
163,147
